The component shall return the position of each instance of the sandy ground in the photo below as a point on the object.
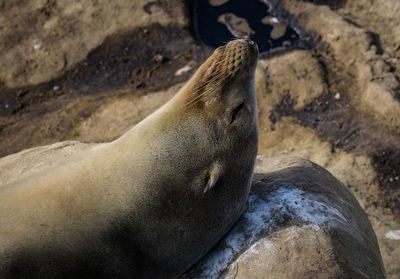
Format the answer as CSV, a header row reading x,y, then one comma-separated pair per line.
x,y
337,104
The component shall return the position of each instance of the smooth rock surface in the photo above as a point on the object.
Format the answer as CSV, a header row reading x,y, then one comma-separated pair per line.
x,y
300,222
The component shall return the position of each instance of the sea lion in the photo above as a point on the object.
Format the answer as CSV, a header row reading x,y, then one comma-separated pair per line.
x,y
152,202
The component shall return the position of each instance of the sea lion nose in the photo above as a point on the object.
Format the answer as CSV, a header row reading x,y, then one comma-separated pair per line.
x,y
239,56
252,44
247,43
244,43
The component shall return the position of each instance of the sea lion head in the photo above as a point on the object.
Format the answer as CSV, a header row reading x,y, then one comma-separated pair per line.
x,y
223,90
217,137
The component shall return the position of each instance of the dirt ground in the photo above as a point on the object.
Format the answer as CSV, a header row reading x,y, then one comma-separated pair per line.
x,y
337,104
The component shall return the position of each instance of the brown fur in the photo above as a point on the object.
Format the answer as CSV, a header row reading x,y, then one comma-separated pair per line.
x,y
151,203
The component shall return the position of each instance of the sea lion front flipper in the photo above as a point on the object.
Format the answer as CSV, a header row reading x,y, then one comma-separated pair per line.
x,y
214,174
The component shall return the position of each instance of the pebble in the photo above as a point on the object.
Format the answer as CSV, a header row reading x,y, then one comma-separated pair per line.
x,y
185,69
393,235
158,58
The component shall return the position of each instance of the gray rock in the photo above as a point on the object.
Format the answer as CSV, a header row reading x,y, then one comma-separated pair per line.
x,y
300,222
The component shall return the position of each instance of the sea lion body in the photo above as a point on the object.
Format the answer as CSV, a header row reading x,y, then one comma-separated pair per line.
x,y
152,202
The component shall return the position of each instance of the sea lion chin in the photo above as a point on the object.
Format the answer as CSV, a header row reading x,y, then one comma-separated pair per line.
x,y
152,202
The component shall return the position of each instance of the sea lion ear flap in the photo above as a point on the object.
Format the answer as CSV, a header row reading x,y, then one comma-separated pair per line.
x,y
214,174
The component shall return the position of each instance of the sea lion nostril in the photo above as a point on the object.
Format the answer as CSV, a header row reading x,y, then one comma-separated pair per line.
x,y
247,42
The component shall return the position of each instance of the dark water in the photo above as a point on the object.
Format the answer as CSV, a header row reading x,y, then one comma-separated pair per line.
x,y
214,34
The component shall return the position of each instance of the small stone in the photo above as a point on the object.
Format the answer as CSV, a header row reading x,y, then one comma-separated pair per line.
x,y
158,58
185,69
36,44
56,87
286,43
337,96
216,3
395,235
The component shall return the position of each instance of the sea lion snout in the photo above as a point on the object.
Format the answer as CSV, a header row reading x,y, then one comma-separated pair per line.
x,y
239,56
234,62
243,43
